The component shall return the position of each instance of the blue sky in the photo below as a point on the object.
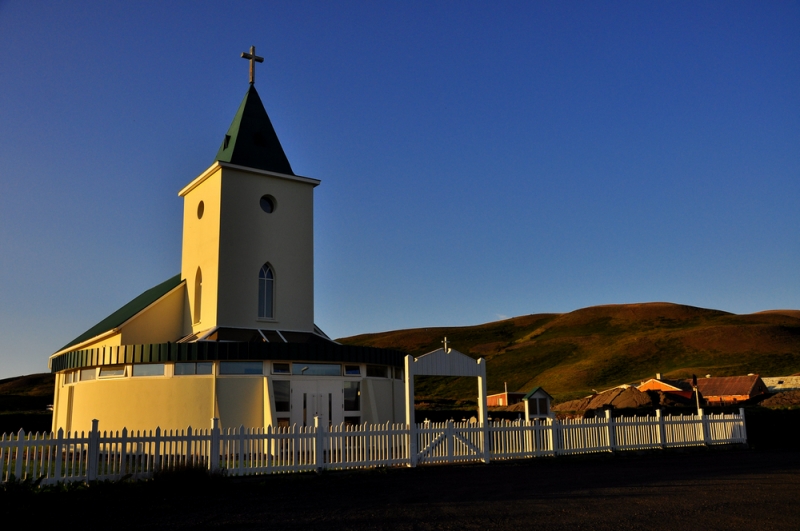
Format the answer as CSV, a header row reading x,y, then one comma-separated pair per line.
x,y
478,160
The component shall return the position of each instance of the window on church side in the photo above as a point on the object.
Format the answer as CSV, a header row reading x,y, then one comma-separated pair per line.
x,y
267,203
148,369
198,294
352,396
266,293
281,390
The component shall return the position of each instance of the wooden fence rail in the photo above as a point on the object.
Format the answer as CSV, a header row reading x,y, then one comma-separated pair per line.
x,y
58,457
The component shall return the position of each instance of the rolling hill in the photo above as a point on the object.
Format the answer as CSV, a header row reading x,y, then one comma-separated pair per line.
x,y
603,346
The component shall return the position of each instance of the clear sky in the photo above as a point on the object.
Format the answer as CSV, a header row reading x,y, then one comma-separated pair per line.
x,y
479,160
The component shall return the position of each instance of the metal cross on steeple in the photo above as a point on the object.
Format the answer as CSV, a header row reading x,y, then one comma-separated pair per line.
x,y
253,60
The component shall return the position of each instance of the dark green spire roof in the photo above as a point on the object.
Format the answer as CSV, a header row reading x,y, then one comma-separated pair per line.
x,y
251,141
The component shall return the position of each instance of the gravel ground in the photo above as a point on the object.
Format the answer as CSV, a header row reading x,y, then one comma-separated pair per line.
x,y
701,489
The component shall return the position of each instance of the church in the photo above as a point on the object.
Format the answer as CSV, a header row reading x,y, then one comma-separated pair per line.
x,y
232,336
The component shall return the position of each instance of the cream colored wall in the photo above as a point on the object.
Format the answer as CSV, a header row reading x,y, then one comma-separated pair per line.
x,y
142,403
250,237
376,400
241,401
269,405
201,249
161,322
114,340
61,403
399,390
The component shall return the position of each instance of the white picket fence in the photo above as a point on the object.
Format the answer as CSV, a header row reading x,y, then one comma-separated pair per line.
x,y
51,458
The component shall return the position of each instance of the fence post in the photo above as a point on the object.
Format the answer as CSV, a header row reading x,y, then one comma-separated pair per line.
x,y
214,450
448,433
551,435
662,429
58,456
123,454
743,433
241,450
92,456
20,452
612,432
319,451
705,427
412,444
157,451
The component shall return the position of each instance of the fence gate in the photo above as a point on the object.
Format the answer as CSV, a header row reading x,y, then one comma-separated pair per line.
x,y
449,442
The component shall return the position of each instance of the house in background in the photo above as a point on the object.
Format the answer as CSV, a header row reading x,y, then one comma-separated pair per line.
x,y
782,383
504,399
731,389
682,388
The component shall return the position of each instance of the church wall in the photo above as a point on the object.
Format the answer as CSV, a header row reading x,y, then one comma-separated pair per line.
x,y
240,400
251,237
399,390
113,340
61,404
200,248
161,322
378,399
140,403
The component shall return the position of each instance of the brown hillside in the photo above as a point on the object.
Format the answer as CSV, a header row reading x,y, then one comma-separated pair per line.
x,y
40,384
604,346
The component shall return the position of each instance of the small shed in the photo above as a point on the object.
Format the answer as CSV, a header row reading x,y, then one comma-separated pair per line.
x,y
537,404
504,399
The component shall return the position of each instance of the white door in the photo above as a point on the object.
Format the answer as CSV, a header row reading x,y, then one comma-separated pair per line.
x,y
312,398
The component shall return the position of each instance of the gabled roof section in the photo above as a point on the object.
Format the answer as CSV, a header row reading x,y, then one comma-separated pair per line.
x,y
447,363
534,391
251,141
126,312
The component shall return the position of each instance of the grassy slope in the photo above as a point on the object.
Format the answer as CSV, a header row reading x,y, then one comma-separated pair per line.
x,y
603,346
23,402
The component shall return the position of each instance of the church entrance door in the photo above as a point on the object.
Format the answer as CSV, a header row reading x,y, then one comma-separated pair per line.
x,y
321,398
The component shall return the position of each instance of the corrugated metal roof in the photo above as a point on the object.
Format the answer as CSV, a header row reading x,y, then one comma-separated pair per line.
x,y
727,385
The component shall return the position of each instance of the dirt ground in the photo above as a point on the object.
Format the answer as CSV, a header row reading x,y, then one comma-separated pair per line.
x,y
700,489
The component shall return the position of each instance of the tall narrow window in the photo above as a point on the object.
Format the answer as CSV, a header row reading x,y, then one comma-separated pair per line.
x,y
266,293
198,295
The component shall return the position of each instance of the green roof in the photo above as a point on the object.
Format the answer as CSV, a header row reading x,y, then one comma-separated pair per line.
x,y
129,310
251,141
533,392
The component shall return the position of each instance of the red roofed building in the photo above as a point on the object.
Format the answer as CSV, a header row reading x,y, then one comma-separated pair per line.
x,y
681,388
731,389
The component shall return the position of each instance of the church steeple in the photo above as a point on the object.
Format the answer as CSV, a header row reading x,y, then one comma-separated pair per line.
x,y
251,141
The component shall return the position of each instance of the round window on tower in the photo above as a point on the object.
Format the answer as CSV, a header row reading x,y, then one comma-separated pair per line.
x,y
200,209
268,204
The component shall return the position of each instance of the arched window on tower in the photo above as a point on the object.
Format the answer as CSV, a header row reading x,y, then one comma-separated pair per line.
x,y
198,295
266,293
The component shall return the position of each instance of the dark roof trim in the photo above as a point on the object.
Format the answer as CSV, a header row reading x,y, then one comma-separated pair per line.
x,y
128,311
213,351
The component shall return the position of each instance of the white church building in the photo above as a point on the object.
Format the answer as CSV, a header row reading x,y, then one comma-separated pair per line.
x,y
233,335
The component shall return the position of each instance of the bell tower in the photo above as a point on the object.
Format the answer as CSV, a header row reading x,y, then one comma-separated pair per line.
x,y
248,232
